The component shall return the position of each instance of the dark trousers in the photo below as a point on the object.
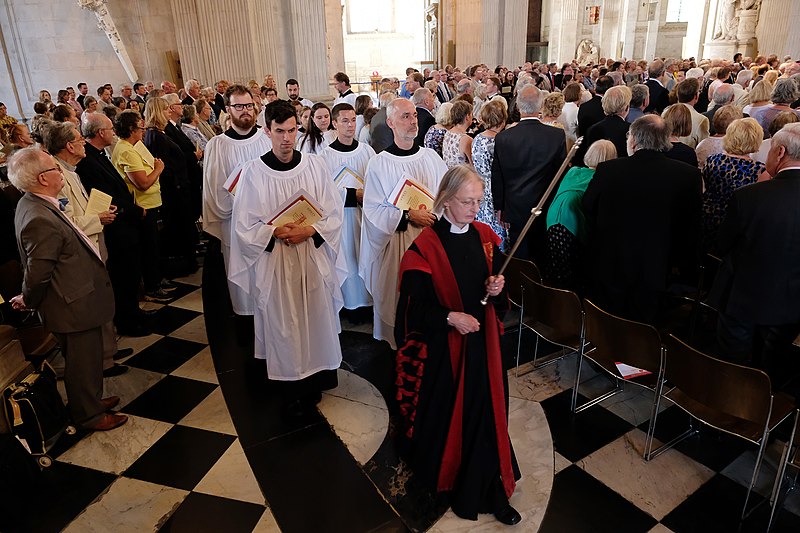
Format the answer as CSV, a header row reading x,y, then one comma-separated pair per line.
x,y
83,374
150,254
762,346
124,269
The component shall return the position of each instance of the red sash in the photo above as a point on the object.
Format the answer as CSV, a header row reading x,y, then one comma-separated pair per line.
x,y
433,260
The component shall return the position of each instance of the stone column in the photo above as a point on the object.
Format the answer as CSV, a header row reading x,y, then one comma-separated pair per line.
x,y
335,38
492,32
628,19
469,32
564,30
106,23
696,30
777,28
307,21
515,33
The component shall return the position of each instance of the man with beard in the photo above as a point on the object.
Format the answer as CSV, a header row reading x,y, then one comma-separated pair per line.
x,y
387,231
291,266
293,90
240,143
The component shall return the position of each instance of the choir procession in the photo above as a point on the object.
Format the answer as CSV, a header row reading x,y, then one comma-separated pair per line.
x,y
631,221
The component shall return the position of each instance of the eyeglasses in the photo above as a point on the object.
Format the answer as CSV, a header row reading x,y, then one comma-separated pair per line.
x,y
50,170
469,203
242,107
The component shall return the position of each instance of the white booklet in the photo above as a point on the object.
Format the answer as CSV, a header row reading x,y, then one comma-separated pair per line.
x,y
411,194
301,209
233,180
98,202
145,153
347,178
628,371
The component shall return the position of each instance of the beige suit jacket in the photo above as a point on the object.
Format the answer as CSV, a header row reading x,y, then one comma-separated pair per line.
x,y
75,209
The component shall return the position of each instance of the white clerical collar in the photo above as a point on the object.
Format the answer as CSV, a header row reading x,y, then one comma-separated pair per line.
x,y
454,228
530,118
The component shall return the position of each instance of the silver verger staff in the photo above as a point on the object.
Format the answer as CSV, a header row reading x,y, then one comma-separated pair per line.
x,y
537,210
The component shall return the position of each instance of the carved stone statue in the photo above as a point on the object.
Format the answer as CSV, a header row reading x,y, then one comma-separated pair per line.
x,y
727,21
587,53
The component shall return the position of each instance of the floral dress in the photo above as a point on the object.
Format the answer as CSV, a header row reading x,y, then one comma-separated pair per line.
x,y
722,175
482,156
451,150
434,139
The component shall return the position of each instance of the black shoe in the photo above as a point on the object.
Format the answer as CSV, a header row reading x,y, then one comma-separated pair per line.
x,y
137,330
158,295
147,313
116,370
123,353
167,286
508,516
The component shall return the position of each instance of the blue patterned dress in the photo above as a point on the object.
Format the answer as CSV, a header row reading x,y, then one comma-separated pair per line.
x,y
722,175
482,156
434,139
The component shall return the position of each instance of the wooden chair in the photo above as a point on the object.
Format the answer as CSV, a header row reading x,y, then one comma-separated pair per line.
x,y
789,458
735,399
556,315
516,269
618,340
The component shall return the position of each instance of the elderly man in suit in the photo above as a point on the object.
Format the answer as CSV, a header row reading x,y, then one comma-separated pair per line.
x,y
66,281
381,136
423,100
757,289
526,159
591,112
616,104
643,219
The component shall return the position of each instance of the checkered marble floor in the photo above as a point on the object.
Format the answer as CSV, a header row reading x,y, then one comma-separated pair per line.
x,y
182,464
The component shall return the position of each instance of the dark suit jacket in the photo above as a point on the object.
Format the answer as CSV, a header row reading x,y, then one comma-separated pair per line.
x,y
188,100
193,170
381,136
612,128
659,97
219,101
590,114
424,120
643,218
759,242
526,158
64,279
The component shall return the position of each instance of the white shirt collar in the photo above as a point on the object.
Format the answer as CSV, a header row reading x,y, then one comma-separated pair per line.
x,y
454,228
530,118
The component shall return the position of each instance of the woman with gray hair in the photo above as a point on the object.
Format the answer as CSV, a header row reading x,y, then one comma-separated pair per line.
x,y
446,422
189,125
566,223
783,94
435,135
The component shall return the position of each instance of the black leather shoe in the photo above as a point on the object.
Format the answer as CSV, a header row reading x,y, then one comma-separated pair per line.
x,y
123,353
116,370
508,516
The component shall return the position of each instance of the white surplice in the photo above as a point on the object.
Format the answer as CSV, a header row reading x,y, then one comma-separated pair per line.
x,y
223,155
296,288
353,289
382,246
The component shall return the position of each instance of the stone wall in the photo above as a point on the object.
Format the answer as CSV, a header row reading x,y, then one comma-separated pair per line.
x,y
51,44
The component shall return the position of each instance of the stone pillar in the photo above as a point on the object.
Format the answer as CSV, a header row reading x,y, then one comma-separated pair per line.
x,y
651,38
628,18
696,29
106,23
776,29
307,21
515,33
335,39
564,30
469,32
492,32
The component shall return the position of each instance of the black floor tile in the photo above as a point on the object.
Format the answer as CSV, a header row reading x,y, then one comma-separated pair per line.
x,y
716,507
201,513
576,436
711,448
165,355
581,504
63,492
181,290
312,483
168,319
181,457
170,399
370,359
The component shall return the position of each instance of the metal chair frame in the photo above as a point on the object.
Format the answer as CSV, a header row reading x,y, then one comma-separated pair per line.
x,y
790,456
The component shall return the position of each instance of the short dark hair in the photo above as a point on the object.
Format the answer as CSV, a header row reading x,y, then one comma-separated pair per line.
x,y
278,111
603,84
292,81
81,84
137,85
126,122
270,90
236,88
61,112
616,65
101,90
338,108
687,90
341,77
